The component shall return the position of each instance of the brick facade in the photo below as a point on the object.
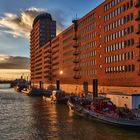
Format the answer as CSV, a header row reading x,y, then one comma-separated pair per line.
x,y
105,45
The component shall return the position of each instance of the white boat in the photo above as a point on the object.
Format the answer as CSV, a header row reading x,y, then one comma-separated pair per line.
x,y
109,118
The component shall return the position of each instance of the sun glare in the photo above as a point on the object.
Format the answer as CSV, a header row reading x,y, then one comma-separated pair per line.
x,y
2,59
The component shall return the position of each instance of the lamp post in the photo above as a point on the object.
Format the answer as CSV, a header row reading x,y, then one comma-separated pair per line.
x,y
58,80
61,73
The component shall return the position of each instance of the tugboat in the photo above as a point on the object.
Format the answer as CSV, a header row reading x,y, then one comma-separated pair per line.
x,y
104,111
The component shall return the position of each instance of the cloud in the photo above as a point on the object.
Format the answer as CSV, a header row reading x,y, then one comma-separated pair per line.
x,y
20,25
14,62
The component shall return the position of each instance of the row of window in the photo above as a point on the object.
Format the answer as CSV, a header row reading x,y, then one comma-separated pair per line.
x,y
38,60
88,45
118,11
124,68
119,22
38,69
120,45
87,20
67,60
55,46
88,36
67,39
119,34
38,73
67,46
67,53
55,40
38,77
90,54
89,63
111,4
88,72
68,32
119,57
88,28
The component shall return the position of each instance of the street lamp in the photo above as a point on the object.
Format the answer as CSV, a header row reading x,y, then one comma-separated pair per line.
x,y
61,72
58,80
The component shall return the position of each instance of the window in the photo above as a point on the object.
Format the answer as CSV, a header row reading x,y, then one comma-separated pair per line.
x,y
128,18
132,29
129,67
132,55
133,67
131,16
125,68
132,41
128,55
131,3
127,6
128,42
139,27
138,14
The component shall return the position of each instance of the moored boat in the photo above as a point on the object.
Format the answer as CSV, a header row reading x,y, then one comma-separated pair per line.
x,y
57,96
103,110
26,91
20,85
32,91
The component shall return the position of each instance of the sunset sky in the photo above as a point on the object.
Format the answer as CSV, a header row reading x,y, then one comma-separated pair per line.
x,y
12,74
16,17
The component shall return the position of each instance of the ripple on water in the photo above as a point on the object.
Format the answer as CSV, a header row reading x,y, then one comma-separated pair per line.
x,y
28,118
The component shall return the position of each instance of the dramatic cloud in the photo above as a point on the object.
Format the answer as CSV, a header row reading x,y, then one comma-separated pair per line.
x,y
20,25
14,62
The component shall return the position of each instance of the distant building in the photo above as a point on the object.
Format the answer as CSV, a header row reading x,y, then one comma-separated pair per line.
x,y
12,74
44,29
103,45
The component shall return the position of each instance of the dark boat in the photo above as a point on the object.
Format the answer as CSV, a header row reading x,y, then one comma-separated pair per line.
x,y
19,84
32,91
26,91
57,96
103,110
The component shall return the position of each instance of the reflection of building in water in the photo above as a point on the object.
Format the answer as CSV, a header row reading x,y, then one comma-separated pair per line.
x,y
11,74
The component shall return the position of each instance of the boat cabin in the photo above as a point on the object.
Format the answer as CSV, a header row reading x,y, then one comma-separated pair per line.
x,y
122,99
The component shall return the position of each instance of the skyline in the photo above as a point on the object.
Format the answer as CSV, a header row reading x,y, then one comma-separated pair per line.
x,y
12,67
15,24
12,74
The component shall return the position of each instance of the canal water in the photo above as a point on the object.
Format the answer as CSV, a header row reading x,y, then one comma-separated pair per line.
x,y
31,118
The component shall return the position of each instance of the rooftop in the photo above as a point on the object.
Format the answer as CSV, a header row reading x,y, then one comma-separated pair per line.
x,y
42,16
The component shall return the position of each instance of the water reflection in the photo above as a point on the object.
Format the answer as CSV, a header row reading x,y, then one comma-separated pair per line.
x,y
27,118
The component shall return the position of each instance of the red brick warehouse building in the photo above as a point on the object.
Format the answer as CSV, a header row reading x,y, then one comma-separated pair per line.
x,y
103,45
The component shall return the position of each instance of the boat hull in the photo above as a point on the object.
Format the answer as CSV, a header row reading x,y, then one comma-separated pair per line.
x,y
80,111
